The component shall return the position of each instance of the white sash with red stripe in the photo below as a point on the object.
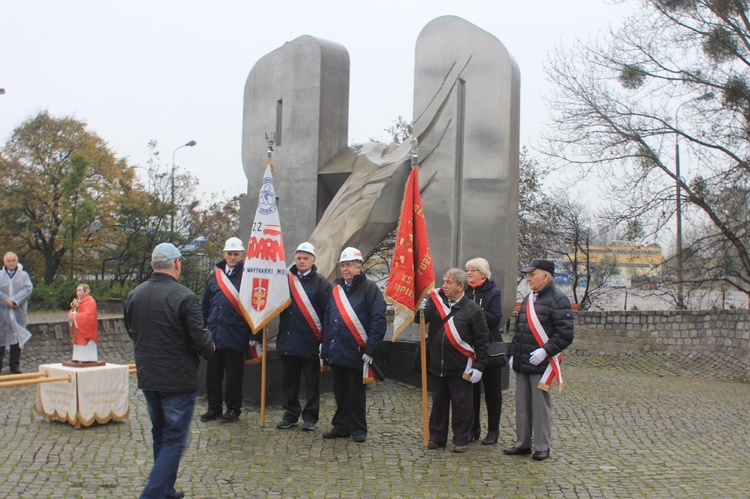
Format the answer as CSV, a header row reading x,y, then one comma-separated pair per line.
x,y
226,287
233,295
451,331
305,305
355,327
553,368
256,352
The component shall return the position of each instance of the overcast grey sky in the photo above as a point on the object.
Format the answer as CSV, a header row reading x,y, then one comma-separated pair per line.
x,y
175,71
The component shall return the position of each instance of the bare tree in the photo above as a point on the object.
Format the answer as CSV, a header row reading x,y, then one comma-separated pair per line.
x,y
677,72
535,233
571,223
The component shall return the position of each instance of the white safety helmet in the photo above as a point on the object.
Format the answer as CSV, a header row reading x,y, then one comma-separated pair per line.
x,y
351,255
234,244
307,248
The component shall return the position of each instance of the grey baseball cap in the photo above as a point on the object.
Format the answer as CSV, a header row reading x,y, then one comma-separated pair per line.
x,y
165,252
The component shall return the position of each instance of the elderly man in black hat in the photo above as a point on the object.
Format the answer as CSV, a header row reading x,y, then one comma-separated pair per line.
x,y
544,328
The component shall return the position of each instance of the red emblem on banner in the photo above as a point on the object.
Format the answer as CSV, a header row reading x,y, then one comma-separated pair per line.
x,y
260,293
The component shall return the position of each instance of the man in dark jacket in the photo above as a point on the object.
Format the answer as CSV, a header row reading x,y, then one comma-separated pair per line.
x,y
354,327
163,318
298,341
544,328
231,334
457,354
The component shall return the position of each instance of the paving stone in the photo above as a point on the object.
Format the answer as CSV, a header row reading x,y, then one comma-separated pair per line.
x,y
654,425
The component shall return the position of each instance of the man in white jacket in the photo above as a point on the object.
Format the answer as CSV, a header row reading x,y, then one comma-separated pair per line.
x,y
15,290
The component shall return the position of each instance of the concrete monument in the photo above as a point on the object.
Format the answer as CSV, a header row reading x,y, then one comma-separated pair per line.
x,y
466,122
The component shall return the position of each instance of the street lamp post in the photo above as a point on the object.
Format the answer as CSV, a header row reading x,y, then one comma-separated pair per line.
x,y
171,221
678,200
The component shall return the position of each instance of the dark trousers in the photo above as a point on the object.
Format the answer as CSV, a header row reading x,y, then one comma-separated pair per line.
x,y
351,402
233,364
292,370
493,396
15,357
447,392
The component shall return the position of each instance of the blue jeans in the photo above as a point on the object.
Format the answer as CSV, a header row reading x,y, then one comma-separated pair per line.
x,y
171,414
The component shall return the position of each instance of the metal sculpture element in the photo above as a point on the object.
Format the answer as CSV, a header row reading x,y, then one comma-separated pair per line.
x,y
466,120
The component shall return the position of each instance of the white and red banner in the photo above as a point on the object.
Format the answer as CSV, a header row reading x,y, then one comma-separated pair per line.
x,y
264,291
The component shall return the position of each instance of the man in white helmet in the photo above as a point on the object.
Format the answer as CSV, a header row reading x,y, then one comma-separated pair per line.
x,y
230,332
353,329
298,341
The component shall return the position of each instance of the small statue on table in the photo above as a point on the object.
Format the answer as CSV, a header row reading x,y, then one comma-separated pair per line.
x,y
84,321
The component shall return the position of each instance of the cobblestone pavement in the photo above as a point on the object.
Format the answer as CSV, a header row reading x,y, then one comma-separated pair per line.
x,y
622,428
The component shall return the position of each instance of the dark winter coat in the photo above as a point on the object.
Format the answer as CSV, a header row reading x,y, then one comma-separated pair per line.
x,y
296,337
229,328
443,359
163,318
555,315
339,346
487,296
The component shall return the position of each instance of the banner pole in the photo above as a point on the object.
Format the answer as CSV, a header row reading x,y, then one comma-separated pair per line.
x,y
263,377
423,354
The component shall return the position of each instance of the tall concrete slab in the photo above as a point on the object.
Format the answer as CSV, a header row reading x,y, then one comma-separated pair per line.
x,y
299,91
466,114
466,120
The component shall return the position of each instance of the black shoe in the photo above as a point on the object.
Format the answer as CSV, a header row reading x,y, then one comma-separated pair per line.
x,y
231,416
285,424
178,494
540,455
334,434
490,439
210,415
517,451
16,370
359,438
475,434
308,426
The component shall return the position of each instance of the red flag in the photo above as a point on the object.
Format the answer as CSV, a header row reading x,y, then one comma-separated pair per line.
x,y
412,275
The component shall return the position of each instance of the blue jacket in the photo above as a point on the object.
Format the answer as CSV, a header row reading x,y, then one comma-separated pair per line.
x,y
554,313
487,296
339,346
296,337
229,329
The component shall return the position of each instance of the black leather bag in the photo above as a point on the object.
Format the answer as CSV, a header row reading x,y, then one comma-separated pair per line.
x,y
496,354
